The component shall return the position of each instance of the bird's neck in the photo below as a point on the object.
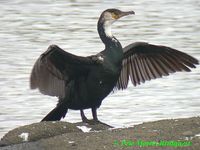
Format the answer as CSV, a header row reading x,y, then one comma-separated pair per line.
x,y
113,48
104,29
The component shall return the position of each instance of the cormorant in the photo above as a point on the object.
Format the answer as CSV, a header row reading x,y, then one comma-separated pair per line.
x,y
83,82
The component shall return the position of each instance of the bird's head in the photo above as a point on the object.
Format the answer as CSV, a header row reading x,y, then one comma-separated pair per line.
x,y
109,16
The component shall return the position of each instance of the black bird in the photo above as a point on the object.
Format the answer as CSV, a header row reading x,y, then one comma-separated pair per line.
x,y
83,82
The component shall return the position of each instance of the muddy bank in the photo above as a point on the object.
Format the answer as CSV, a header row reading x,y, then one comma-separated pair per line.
x,y
163,134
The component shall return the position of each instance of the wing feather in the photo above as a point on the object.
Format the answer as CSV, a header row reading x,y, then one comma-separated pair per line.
x,y
48,82
146,61
55,68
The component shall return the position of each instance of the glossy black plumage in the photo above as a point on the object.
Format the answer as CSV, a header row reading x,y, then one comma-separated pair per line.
x,y
143,61
83,82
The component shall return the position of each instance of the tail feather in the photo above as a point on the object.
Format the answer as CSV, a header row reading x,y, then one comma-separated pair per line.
x,y
56,114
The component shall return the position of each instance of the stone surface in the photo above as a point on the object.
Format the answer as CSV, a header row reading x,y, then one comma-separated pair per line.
x,y
37,131
111,139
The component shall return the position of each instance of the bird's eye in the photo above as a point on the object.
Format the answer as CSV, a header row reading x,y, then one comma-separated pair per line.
x,y
114,15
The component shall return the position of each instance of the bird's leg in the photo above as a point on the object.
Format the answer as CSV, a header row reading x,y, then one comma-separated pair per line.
x,y
95,119
83,117
94,114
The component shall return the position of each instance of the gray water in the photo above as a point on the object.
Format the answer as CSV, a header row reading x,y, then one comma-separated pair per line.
x,y
27,28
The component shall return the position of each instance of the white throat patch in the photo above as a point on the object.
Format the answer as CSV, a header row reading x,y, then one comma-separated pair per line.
x,y
107,28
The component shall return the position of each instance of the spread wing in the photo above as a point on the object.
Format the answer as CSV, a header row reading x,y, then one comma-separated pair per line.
x,y
55,68
143,61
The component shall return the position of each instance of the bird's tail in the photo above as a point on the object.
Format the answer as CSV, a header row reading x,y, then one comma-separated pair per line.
x,y
56,114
